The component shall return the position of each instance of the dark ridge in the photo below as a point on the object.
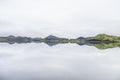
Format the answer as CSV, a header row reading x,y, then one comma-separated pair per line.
x,y
101,41
51,37
80,38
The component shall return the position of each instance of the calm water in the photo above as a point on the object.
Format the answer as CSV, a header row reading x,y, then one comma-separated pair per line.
x,y
60,62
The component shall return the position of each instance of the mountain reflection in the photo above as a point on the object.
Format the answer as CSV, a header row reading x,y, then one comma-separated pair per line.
x,y
53,40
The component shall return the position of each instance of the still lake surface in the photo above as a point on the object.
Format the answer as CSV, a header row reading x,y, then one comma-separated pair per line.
x,y
34,61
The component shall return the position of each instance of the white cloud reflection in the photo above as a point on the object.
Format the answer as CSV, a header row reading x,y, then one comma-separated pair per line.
x,y
60,62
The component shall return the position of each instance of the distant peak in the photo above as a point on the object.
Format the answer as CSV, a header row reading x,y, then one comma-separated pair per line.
x,y
51,37
81,38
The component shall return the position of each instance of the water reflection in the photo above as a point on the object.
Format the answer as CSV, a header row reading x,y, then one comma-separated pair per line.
x,y
60,62
37,61
53,40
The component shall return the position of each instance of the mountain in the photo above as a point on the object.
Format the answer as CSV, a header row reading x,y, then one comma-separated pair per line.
x,y
80,38
51,37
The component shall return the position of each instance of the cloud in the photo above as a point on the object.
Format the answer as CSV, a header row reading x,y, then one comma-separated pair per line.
x,y
64,16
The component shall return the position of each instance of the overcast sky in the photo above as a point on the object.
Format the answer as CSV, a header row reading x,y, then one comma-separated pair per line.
x,y
70,18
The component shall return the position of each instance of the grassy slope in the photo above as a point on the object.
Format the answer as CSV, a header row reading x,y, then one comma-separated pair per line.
x,y
114,41
104,37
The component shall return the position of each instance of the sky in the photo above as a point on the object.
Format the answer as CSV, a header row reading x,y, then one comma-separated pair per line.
x,y
64,18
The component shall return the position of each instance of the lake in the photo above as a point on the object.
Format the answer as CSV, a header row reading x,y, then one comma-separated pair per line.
x,y
34,61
